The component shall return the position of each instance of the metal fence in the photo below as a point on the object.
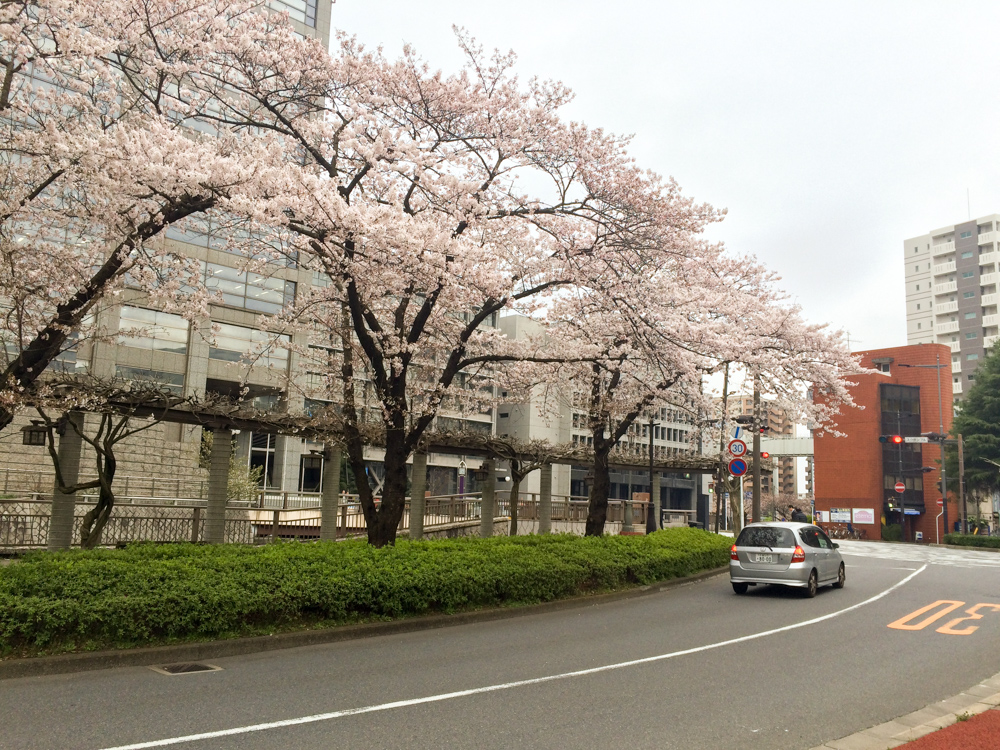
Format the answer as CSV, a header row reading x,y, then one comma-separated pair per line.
x,y
24,521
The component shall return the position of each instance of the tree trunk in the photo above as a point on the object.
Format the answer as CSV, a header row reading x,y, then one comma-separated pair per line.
x,y
95,520
515,493
383,522
597,509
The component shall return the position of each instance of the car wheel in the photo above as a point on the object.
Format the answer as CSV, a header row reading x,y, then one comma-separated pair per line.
x,y
740,588
812,585
841,578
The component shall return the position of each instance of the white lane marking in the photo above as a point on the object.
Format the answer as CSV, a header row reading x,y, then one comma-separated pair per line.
x,y
506,685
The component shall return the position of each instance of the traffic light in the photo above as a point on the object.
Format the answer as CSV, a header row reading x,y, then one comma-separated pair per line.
x,y
940,486
763,428
894,439
765,454
934,437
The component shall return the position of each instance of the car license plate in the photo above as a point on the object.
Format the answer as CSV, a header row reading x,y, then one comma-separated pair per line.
x,y
763,558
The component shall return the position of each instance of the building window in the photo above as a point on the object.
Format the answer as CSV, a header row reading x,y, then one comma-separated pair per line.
x,y
971,335
968,274
968,295
972,377
918,305
918,287
967,254
155,330
972,357
249,290
963,235
970,316
916,268
172,382
918,326
262,455
303,11
237,343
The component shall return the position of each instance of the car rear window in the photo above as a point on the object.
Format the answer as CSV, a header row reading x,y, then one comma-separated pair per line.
x,y
765,536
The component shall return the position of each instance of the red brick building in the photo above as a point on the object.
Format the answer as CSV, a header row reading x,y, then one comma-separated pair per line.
x,y
855,475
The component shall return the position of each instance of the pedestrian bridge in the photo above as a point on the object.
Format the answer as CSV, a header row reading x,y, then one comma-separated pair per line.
x,y
787,446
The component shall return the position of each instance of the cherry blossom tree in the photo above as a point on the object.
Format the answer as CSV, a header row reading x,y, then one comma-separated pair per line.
x,y
103,147
431,204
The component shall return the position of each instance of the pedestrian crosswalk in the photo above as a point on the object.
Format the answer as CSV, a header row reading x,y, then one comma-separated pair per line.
x,y
921,554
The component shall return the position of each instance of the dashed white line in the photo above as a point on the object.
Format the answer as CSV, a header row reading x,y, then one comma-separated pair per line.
x,y
505,685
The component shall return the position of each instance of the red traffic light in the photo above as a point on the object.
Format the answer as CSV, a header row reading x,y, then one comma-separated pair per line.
x,y
897,439
765,454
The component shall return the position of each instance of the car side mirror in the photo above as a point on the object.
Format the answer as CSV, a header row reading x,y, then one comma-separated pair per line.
x,y
836,546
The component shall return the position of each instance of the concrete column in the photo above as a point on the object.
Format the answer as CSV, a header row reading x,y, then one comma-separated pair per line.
x,y
489,493
331,494
63,505
655,503
418,492
218,481
545,500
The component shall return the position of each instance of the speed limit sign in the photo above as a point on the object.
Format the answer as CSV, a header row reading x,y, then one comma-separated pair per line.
x,y
737,448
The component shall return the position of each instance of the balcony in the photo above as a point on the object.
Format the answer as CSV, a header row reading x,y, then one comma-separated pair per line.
x,y
987,238
943,249
946,307
988,278
955,346
956,388
948,286
942,268
987,258
947,326
956,366
989,341
991,320
988,299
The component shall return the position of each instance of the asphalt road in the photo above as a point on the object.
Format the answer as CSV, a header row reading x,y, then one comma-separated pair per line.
x,y
816,678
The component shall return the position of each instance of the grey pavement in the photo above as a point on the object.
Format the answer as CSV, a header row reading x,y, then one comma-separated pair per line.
x,y
798,688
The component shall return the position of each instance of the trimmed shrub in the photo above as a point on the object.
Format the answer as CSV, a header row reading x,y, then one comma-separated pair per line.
x,y
972,540
156,593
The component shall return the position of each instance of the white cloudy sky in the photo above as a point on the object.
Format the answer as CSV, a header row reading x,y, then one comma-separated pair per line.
x,y
831,131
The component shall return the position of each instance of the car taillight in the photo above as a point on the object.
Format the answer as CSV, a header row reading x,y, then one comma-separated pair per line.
x,y
734,556
799,555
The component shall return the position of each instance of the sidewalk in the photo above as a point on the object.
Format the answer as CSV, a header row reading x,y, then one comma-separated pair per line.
x,y
975,733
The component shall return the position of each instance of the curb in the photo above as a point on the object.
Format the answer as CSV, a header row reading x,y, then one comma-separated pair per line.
x,y
144,657
931,718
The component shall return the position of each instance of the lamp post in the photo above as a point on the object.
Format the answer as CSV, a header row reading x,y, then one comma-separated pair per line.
x,y
944,477
652,524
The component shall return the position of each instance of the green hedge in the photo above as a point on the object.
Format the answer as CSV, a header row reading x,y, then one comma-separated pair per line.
x,y
972,540
144,594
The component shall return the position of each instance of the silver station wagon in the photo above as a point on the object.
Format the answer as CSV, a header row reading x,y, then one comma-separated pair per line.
x,y
785,554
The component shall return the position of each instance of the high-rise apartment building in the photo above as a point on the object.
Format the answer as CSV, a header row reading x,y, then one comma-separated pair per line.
x,y
951,293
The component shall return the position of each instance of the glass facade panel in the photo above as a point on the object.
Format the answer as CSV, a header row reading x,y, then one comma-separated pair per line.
x,y
172,382
160,331
249,290
238,343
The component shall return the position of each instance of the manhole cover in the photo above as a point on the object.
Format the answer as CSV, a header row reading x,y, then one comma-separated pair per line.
x,y
185,668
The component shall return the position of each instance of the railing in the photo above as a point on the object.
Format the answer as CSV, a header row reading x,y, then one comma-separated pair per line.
x,y
22,481
24,521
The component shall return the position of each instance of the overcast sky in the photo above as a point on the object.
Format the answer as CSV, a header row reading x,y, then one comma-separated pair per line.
x,y
831,131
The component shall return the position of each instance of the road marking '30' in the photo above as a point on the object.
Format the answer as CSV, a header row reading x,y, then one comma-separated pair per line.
x,y
946,606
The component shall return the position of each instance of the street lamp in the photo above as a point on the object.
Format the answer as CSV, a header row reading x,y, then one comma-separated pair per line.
x,y
944,478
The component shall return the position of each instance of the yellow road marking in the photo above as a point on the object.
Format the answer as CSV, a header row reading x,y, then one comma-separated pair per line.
x,y
949,628
901,624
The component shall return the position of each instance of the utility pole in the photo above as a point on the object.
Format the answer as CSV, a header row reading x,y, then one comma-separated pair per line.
x,y
961,486
756,449
722,484
653,516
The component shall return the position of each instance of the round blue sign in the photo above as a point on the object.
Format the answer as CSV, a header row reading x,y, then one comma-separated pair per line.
x,y
738,467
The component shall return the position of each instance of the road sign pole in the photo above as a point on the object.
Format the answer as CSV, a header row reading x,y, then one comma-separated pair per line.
x,y
756,451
